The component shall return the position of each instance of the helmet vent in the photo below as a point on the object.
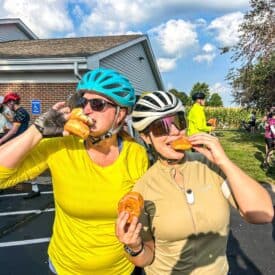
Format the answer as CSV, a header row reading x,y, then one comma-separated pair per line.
x,y
122,94
97,76
111,86
105,78
151,100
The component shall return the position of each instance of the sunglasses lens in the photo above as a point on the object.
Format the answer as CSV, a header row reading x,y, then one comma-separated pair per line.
x,y
97,104
162,126
159,128
180,121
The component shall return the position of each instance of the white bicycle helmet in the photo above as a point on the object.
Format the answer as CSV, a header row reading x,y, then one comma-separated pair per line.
x,y
153,106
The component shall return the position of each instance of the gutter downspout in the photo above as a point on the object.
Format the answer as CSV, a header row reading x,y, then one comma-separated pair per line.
x,y
76,73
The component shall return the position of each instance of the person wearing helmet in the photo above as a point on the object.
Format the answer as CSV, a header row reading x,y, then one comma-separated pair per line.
x,y
89,175
184,225
196,116
8,110
21,117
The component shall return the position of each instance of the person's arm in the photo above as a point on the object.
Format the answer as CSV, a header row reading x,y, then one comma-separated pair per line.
x,y
131,237
18,147
11,132
253,200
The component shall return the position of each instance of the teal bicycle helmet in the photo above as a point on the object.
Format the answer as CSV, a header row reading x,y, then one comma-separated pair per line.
x,y
110,84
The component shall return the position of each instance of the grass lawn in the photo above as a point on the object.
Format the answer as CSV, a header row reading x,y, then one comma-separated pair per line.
x,y
247,151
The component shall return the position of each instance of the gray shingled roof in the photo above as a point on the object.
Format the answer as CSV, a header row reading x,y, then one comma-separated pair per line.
x,y
64,47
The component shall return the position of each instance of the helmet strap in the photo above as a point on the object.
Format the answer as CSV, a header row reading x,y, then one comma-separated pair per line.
x,y
110,132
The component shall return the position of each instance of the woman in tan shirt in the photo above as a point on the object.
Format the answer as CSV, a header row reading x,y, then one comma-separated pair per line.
x,y
184,226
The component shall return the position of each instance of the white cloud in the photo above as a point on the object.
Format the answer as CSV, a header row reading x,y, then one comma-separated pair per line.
x,y
208,54
200,58
175,36
226,28
42,17
224,91
112,16
166,64
208,48
219,88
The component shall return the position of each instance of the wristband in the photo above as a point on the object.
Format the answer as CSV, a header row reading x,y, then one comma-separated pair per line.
x,y
39,128
132,253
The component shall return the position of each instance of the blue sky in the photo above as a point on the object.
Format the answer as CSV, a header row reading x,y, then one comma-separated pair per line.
x,y
185,34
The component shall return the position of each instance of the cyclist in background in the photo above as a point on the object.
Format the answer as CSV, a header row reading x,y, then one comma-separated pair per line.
x,y
88,176
269,131
252,122
196,117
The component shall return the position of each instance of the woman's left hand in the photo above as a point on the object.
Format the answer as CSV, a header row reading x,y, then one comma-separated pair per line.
x,y
129,234
209,146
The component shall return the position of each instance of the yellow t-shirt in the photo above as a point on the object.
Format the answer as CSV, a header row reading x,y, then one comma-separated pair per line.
x,y
190,230
86,197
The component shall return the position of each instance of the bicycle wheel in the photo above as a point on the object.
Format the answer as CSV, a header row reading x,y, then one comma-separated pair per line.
x,y
270,158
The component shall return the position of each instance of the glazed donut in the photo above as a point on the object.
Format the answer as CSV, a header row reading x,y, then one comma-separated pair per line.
x,y
132,203
181,144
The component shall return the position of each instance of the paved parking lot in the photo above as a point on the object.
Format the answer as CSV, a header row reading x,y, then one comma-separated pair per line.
x,y
25,229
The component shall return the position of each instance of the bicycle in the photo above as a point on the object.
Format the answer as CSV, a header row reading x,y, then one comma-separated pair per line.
x,y
247,126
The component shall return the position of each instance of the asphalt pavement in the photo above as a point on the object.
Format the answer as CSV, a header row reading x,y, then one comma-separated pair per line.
x,y
26,227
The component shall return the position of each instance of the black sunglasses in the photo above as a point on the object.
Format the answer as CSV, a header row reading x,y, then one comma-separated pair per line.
x,y
162,126
96,104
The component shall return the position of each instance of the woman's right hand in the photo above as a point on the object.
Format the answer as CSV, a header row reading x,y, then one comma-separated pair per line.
x,y
129,234
51,123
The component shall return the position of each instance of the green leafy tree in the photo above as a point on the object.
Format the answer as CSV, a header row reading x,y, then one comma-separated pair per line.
x,y
254,85
253,81
200,87
215,100
257,33
181,95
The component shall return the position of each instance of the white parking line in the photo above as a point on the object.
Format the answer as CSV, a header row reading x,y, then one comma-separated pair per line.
x,y
17,243
24,194
38,211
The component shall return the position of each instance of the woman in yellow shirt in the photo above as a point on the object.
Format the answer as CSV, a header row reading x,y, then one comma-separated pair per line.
x,y
89,176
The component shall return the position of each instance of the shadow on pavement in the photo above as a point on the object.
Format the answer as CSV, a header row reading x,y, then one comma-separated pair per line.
x,y
239,263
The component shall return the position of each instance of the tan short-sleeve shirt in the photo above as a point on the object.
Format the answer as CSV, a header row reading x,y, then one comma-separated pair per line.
x,y
190,229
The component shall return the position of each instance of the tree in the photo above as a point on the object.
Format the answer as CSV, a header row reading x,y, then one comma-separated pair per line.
x,y
253,81
200,87
182,96
256,33
215,100
254,86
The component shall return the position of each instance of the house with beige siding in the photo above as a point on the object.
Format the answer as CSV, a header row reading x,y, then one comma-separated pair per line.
x,y
47,70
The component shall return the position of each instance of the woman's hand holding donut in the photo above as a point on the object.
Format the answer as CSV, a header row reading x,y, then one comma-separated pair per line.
x,y
211,148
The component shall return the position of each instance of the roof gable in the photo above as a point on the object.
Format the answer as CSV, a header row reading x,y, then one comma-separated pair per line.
x,y
19,25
